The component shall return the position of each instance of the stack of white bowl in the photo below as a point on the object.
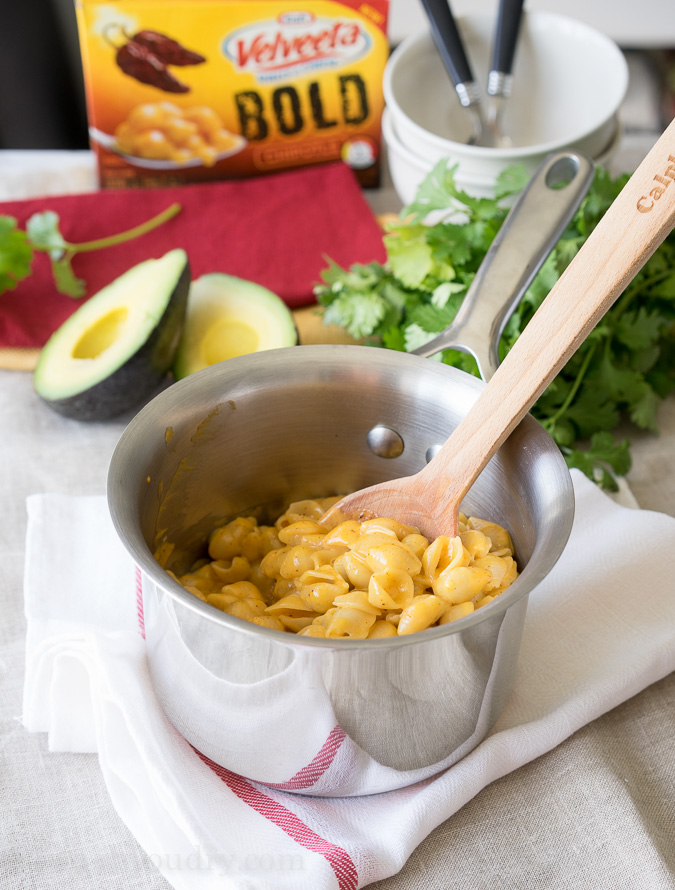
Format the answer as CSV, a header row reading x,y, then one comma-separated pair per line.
x,y
569,81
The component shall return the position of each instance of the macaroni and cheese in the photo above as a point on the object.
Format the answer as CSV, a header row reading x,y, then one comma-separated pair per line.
x,y
357,580
163,131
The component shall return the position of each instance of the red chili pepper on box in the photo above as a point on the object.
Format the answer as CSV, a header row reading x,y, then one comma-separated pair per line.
x,y
140,63
166,49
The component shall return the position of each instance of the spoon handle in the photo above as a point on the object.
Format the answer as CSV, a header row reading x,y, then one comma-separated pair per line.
x,y
451,49
504,47
637,222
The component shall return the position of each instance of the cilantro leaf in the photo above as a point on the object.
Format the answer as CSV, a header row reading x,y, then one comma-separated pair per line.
x,y
451,245
592,410
359,313
603,460
643,360
462,360
65,279
432,318
448,291
512,181
409,255
43,232
359,277
643,410
621,383
16,254
565,251
665,289
414,336
394,338
639,330
436,192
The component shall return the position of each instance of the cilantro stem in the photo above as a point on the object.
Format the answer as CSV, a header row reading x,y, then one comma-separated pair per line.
x,y
128,235
551,421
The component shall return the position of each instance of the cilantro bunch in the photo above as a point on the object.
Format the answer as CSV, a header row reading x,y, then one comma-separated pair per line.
x,y
622,371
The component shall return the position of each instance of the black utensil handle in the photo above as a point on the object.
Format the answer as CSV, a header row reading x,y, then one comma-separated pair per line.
x,y
506,35
448,40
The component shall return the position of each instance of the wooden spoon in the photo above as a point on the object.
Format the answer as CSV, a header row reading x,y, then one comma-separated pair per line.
x,y
637,222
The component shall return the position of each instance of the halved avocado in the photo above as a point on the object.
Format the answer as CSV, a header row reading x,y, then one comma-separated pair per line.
x,y
229,316
115,350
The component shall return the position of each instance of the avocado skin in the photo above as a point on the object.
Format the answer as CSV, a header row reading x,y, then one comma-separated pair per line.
x,y
139,377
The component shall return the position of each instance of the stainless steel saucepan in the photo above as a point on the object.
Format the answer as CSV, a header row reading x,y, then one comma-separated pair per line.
x,y
326,717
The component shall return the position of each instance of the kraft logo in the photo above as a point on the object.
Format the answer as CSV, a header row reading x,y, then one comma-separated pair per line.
x,y
295,43
296,18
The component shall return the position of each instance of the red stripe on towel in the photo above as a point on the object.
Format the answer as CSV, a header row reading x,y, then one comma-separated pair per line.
x,y
309,774
139,603
338,859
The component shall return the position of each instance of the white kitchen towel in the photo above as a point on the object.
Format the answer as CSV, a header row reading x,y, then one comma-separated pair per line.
x,y
599,629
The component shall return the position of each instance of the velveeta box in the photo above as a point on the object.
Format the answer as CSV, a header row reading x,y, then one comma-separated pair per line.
x,y
196,90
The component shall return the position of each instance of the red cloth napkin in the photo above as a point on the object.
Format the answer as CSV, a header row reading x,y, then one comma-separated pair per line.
x,y
275,230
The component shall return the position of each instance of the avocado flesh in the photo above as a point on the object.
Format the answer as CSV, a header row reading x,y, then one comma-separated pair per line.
x,y
115,350
227,317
